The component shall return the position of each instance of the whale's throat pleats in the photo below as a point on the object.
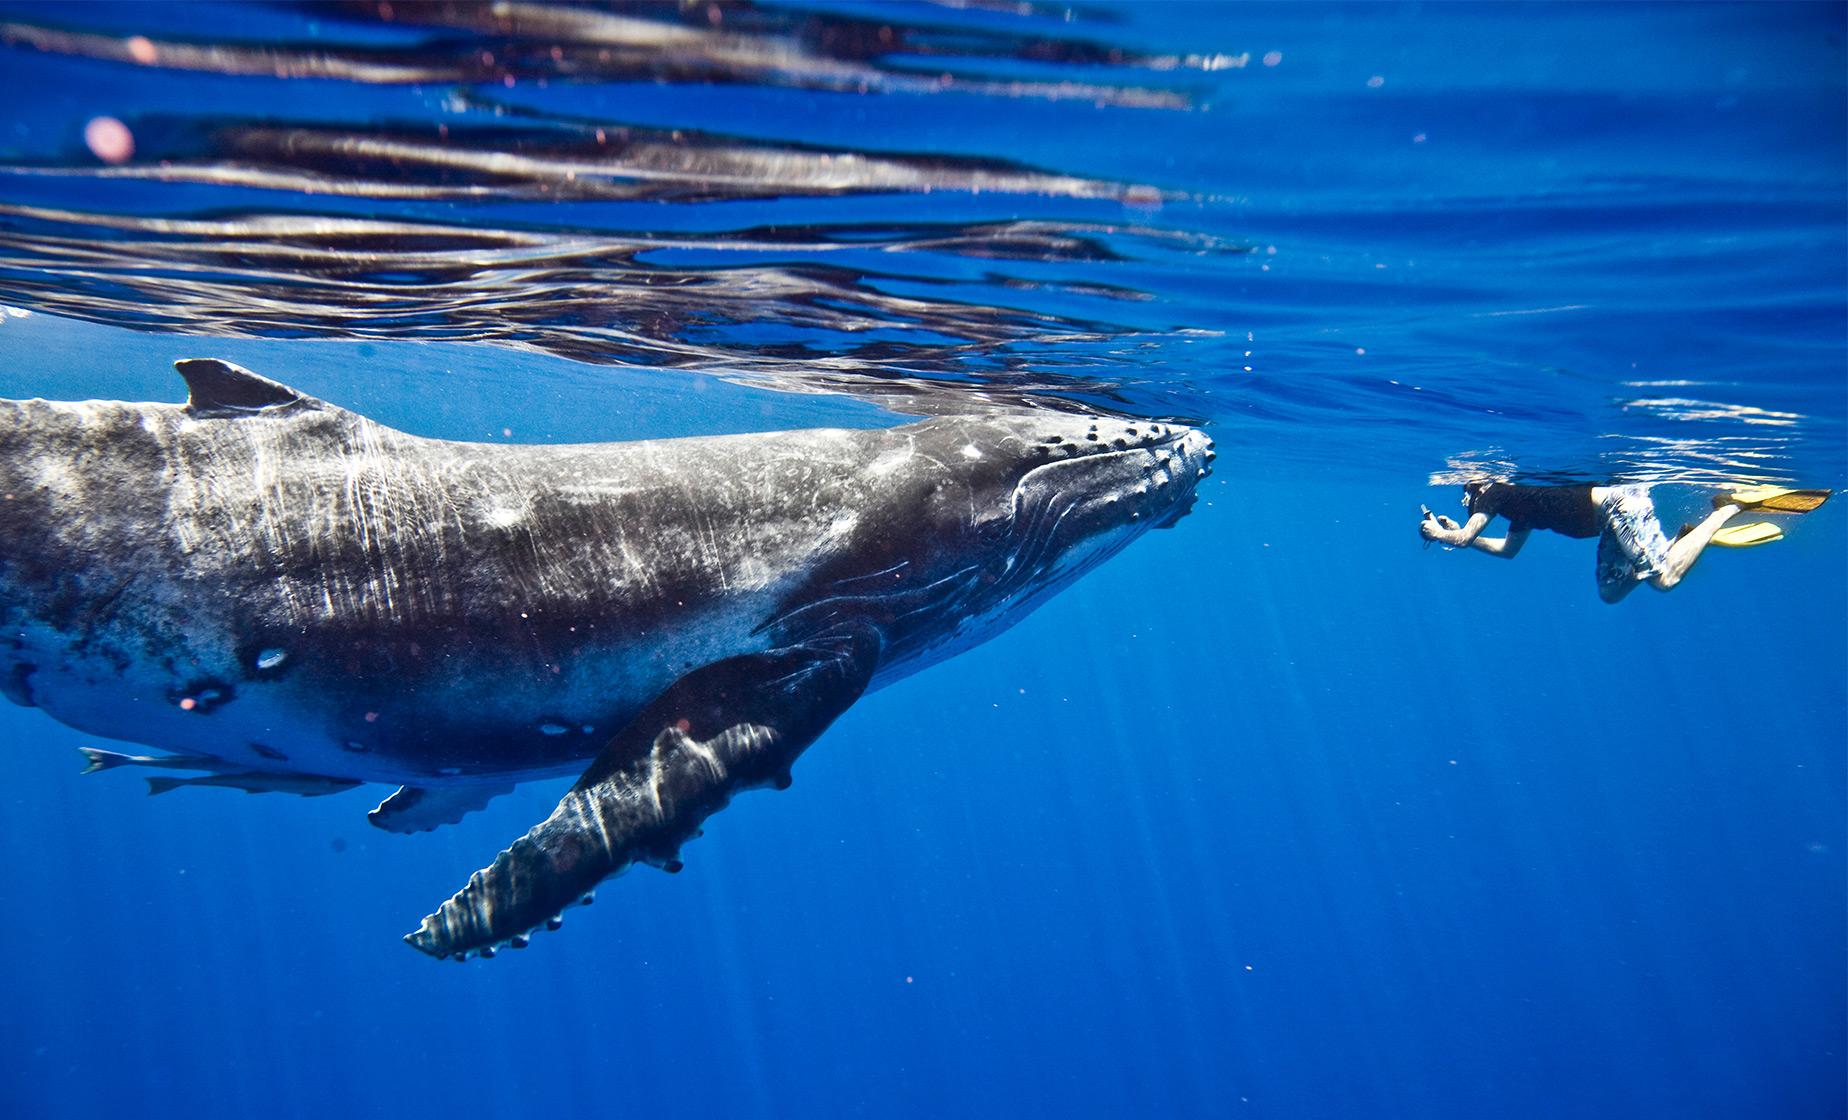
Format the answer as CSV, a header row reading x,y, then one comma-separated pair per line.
x,y
729,726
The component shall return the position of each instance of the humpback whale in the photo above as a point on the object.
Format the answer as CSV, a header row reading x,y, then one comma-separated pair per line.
x,y
288,596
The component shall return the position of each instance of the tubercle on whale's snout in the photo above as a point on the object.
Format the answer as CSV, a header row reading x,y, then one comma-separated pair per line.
x,y
1166,489
1179,461
1207,451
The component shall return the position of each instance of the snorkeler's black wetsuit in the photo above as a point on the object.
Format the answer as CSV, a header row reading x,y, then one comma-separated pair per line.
x,y
1567,510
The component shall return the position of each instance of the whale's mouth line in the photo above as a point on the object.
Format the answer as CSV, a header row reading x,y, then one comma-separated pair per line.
x,y
1179,510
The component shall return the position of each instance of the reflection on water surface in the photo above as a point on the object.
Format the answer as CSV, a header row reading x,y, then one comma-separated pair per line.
x,y
937,208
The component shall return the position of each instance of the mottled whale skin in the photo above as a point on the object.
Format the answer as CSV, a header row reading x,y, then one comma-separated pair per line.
x,y
288,593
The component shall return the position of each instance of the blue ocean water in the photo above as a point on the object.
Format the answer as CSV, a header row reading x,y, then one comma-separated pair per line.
x,y
1277,814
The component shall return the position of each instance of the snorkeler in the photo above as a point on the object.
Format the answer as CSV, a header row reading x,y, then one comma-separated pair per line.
x,y
1632,548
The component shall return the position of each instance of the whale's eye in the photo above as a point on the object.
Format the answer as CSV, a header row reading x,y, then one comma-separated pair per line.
x,y
992,530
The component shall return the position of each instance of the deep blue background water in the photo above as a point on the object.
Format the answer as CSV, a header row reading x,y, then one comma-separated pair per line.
x,y
1275,815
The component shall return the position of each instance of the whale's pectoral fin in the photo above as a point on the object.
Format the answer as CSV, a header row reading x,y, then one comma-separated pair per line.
x,y
416,809
729,726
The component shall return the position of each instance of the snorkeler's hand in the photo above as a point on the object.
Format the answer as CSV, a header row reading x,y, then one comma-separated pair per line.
x,y
1435,526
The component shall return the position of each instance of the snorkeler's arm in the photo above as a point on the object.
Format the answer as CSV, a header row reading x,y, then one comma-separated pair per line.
x,y
1504,547
1437,527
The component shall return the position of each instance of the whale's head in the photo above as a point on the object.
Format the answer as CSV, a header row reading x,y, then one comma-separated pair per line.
x,y
994,515
1059,493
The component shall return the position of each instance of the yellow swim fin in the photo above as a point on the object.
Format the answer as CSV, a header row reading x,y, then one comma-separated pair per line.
x,y
1745,536
1774,499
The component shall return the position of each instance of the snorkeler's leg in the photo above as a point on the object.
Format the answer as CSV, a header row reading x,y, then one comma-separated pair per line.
x,y
1686,550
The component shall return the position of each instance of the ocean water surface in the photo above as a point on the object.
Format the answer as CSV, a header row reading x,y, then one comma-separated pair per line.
x,y
1278,814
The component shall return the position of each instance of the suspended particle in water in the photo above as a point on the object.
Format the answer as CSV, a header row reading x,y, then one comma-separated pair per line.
x,y
109,140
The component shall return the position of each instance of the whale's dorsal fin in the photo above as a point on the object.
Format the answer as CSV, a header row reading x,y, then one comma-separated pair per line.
x,y
220,388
